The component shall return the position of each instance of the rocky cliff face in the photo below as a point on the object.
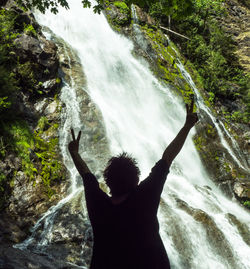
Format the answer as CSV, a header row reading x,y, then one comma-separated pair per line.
x,y
237,24
37,113
34,177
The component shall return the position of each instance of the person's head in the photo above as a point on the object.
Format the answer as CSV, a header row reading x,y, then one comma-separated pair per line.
x,y
121,174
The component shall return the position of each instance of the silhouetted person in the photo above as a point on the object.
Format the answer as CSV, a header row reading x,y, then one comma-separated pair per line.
x,y
125,225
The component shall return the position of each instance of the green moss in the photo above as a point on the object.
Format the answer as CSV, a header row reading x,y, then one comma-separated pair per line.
x,y
2,190
19,136
43,124
2,148
20,140
122,18
211,131
212,52
23,142
26,75
46,151
96,137
166,67
199,142
29,30
122,6
8,81
227,167
113,23
247,204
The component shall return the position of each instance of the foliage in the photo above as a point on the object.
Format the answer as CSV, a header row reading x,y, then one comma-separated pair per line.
x,y
177,9
29,30
8,83
3,189
121,5
247,204
211,51
53,5
21,141
48,157
43,5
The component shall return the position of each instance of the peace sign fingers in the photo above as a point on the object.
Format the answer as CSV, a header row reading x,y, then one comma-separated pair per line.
x,y
74,144
191,117
73,134
191,108
78,136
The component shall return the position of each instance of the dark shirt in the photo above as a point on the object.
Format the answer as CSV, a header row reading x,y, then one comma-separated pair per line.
x,y
126,235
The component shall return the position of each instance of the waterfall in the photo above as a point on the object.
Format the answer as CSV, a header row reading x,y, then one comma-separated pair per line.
x,y
199,226
218,125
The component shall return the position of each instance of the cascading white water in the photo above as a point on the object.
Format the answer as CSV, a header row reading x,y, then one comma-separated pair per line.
x,y
216,124
239,159
142,117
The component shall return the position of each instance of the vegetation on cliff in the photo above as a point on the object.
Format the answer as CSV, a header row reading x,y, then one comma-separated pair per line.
x,y
20,128
209,48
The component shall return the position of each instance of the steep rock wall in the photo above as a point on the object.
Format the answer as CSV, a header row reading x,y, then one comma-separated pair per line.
x,y
32,172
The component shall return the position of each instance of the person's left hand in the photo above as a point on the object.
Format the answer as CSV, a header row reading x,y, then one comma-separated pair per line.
x,y
74,144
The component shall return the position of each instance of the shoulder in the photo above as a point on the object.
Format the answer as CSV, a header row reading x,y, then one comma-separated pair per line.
x,y
158,173
160,167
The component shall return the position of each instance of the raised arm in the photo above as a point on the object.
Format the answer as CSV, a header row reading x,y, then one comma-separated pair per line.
x,y
78,161
176,145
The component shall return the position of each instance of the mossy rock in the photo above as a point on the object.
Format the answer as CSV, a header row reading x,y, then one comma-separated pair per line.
x,y
118,14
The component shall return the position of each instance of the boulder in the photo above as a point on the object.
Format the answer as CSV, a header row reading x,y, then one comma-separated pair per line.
x,y
242,189
38,51
28,48
118,14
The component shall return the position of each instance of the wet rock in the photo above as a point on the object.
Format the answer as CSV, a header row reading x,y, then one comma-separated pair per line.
x,y
242,189
51,108
215,237
40,105
118,14
237,23
27,194
28,48
50,85
70,238
143,17
13,162
28,201
40,51
12,258
241,227
49,58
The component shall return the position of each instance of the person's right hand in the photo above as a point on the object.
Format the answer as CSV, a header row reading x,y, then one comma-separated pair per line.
x,y
74,144
191,117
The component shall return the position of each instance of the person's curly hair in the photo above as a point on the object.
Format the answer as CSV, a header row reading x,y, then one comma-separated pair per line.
x,y
121,174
